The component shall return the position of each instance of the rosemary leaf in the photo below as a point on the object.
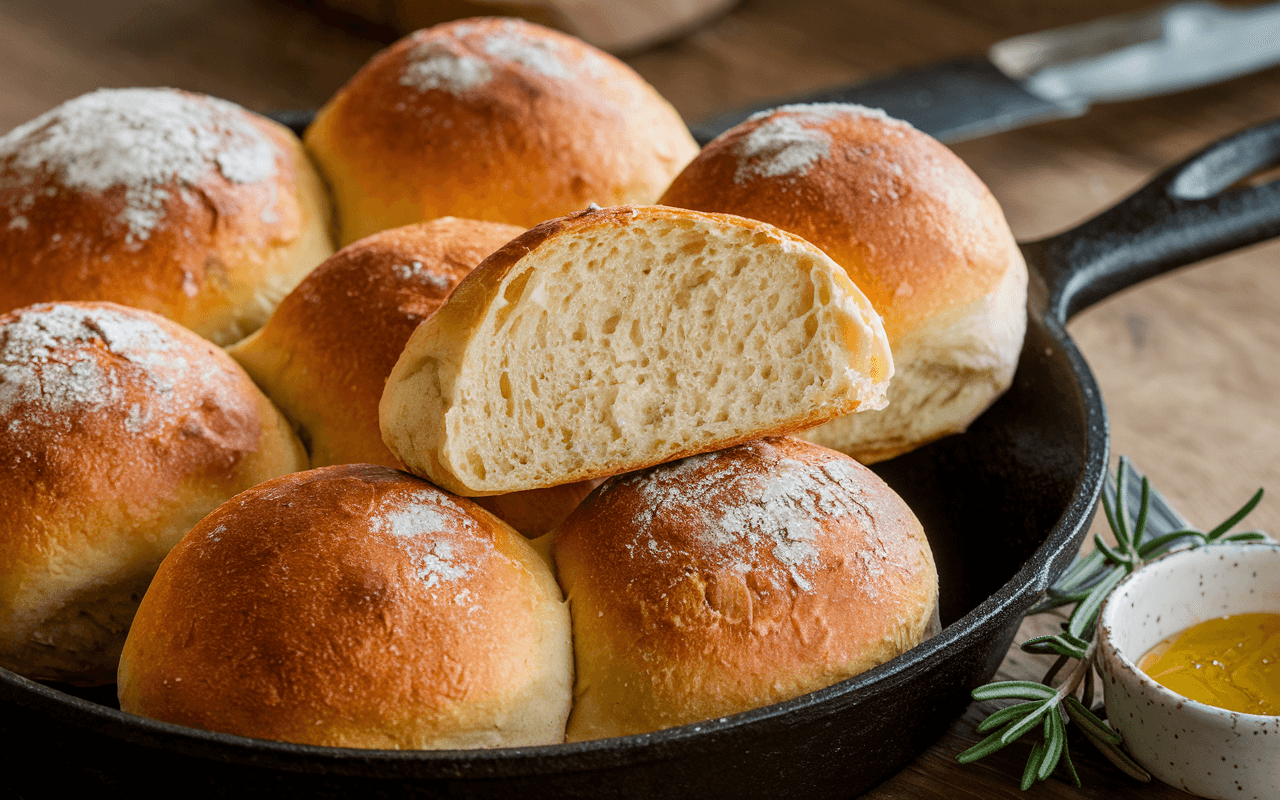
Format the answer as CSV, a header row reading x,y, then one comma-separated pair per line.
x,y
982,749
1140,526
1236,517
1152,547
1015,731
1121,528
1023,690
999,718
1246,536
1089,722
1055,741
1058,643
1086,614
1033,765
1066,756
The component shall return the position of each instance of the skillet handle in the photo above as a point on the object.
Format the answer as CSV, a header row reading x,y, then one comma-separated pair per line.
x,y
1191,211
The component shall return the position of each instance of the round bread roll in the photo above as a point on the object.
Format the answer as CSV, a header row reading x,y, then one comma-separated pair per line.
x,y
915,229
119,430
494,119
178,203
325,354
614,339
736,579
354,606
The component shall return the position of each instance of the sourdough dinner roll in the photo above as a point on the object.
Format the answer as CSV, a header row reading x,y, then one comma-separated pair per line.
x,y
915,229
326,352
736,579
354,606
178,203
119,430
494,119
615,339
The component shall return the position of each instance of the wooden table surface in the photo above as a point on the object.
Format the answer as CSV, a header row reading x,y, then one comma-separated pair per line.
x,y
1188,363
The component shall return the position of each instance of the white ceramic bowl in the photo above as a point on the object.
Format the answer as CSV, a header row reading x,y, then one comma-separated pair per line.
x,y
1207,751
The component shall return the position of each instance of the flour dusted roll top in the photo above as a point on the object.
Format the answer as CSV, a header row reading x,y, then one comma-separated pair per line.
x,y
494,119
354,606
736,579
618,338
178,203
119,430
914,228
325,354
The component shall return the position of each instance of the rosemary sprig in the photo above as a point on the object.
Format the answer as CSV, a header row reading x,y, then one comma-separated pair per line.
x,y
1049,705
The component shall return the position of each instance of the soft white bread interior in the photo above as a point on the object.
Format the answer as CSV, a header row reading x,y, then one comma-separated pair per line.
x,y
354,606
119,430
915,229
736,579
619,338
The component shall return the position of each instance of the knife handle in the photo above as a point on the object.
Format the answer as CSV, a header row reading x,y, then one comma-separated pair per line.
x,y
1195,210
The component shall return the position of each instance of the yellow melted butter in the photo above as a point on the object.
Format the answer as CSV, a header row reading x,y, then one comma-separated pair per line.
x,y
1229,662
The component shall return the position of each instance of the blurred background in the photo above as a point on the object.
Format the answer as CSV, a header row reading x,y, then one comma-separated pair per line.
x,y
1189,364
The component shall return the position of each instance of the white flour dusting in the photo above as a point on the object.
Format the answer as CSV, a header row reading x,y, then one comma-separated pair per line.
x,y
140,139
436,65
418,526
50,364
780,507
444,64
515,47
417,270
780,146
792,139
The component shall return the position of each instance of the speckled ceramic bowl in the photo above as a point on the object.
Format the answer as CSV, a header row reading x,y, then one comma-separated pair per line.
x,y
1200,749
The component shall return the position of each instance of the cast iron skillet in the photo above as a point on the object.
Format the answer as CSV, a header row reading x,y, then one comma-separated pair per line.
x,y
1006,506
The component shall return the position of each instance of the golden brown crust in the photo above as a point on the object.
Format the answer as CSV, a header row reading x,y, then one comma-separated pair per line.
x,y
326,352
353,606
213,248
733,580
122,429
915,229
494,119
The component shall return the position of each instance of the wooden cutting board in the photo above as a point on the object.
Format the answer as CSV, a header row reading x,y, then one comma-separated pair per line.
x,y
1189,364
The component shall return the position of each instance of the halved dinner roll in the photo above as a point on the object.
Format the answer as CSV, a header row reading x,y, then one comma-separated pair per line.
x,y
619,338
326,352
179,203
119,430
735,579
354,606
495,119
915,229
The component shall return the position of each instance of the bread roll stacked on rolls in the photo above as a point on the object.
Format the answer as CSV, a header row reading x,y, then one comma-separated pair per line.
x,y
325,354
119,430
615,339
736,579
915,229
494,119
178,203
354,606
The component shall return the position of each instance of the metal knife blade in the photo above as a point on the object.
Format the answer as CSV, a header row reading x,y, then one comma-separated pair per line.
x,y
1059,73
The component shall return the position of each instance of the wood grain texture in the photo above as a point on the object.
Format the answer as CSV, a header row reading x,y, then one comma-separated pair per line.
x,y
1188,363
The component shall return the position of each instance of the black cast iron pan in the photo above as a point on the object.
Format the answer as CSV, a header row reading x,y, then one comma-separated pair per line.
x,y
1006,505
